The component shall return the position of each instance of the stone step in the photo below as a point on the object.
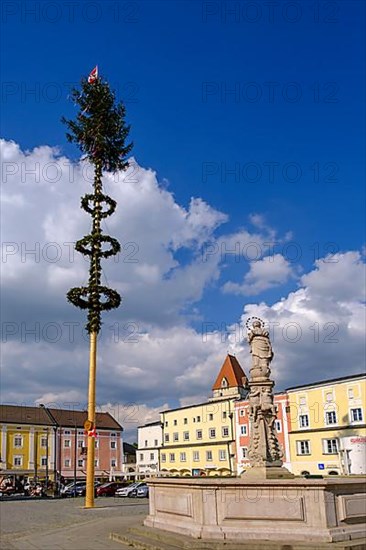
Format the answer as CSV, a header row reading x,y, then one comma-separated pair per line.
x,y
147,538
140,542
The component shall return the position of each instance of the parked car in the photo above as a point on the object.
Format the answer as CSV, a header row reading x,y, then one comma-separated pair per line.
x,y
79,489
129,491
109,489
68,490
143,491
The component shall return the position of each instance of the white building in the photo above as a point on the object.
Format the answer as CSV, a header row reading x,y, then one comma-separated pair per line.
x,y
149,441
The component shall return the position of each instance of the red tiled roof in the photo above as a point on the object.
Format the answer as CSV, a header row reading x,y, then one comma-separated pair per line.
x,y
232,371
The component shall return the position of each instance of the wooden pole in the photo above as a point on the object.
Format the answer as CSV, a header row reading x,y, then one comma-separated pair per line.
x,y
89,498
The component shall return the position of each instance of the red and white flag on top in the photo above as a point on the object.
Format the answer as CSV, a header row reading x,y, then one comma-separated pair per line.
x,y
93,75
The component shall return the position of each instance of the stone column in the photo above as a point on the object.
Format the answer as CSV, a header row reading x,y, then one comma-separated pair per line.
x,y
264,453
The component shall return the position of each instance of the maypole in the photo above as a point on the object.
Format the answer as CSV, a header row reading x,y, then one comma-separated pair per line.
x,y
100,132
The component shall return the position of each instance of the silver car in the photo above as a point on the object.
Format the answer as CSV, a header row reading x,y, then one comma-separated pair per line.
x,y
128,491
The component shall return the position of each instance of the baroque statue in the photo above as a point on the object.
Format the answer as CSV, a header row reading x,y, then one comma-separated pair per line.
x,y
264,448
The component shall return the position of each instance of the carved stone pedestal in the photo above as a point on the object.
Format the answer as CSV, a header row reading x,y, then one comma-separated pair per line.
x,y
267,472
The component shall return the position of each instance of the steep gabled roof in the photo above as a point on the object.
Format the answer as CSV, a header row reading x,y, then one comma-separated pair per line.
x,y
232,371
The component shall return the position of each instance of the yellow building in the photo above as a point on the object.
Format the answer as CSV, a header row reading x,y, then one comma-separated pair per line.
x,y
26,441
200,439
328,430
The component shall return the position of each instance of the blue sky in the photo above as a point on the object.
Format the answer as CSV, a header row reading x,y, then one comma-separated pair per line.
x,y
212,87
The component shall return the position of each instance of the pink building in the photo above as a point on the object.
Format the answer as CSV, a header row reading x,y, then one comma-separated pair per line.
x,y
70,444
242,430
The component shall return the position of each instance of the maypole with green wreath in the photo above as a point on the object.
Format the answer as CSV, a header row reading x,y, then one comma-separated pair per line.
x,y
101,133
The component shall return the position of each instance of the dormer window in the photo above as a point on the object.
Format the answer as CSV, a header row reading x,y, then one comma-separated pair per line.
x,y
224,383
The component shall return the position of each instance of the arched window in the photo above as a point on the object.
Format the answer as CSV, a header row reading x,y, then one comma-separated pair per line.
x,y
305,473
224,383
332,473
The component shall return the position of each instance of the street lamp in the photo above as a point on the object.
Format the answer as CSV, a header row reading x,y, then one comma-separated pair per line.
x,y
55,426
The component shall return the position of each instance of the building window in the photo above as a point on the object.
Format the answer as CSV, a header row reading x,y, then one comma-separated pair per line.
x,y
209,456
224,383
141,457
243,429
67,443
330,446
210,416
113,434
96,463
67,463
186,421
96,444
196,456
225,431
155,442
81,443
166,424
18,441
224,415
80,463
113,462
183,457
186,436
244,452
18,461
278,426
302,400
172,457
330,417
212,432
199,434
350,393
176,436
152,456
145,442
163,457
175,422
329,396
242,412
43,441
166,438
222,454
303,447
67,432
356,415
44,461
113,444
304,420
198,419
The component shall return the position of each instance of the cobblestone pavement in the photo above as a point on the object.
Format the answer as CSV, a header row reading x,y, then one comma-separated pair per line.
x,y
64,524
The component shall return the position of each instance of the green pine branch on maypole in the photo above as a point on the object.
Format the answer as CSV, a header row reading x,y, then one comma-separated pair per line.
x,y
100,131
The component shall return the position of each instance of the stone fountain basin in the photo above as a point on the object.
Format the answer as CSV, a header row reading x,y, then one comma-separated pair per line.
x,y
239,509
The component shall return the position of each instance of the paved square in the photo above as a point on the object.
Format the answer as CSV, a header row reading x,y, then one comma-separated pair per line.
x,y
64,524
